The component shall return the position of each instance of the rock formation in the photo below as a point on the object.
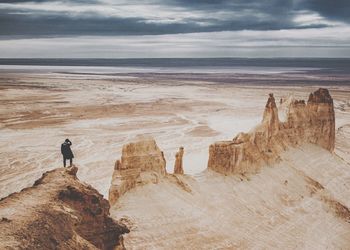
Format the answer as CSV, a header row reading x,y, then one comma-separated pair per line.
x,y
313,122
270,117
58,212
178,167
141,162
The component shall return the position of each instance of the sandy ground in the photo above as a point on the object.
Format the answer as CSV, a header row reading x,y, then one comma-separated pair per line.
x,y
100,113
297,204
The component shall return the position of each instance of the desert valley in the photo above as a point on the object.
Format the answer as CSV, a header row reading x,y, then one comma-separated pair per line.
x,y
162,125
257,165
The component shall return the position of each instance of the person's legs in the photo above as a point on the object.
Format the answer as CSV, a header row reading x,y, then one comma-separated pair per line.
x,y
64,161
70,162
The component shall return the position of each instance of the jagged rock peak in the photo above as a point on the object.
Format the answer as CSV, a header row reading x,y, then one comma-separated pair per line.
x,y
270,117
271,103
298,102
322,119
178,167
58,212
141,162
320,96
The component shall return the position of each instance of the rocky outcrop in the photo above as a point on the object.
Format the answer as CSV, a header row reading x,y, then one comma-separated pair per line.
x,y
178,167
141,162
322,116
312,122
58,212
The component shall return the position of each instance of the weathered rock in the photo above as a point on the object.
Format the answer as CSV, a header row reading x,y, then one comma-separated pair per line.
x,y
178,167
270,118
313,122
321,108
141,162
58,212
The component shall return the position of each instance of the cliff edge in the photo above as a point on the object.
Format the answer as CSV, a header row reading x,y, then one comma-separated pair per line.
x,y
58,212
312,122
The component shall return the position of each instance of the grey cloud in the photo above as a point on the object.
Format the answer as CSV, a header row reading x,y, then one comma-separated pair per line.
x,y
219,15
47,25
42,1
332,9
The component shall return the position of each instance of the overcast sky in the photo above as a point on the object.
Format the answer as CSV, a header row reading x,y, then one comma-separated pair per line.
x,y
174,28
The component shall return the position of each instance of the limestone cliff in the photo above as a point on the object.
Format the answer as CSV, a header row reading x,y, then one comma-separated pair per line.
x,y
58,212
313,122
141,162
178,167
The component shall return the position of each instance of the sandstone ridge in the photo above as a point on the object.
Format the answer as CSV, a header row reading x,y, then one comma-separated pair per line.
x,y
311,122
58,212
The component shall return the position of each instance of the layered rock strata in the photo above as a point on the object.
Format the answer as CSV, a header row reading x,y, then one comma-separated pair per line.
x,y
141,162
312,122
178,167
58,212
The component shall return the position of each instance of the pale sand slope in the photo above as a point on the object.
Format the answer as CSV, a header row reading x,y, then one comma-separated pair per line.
x,y
101,113
295,204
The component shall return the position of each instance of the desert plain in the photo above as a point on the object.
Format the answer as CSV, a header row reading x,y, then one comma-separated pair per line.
x,y
275,208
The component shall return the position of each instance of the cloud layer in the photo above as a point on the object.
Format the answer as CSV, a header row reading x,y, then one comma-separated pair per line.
x,y
279,43
167,28
150,17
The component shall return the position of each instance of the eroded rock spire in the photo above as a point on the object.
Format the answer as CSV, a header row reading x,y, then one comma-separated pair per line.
x,y
270,117
178,167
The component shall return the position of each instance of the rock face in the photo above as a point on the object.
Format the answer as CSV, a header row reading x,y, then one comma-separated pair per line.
x,y
141,162
58,212
178,167
313,122
322,119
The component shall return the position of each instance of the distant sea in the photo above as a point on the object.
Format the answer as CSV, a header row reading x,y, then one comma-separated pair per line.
x,y
185,65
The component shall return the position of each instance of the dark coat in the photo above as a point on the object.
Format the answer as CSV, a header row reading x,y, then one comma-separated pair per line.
x,y
66,151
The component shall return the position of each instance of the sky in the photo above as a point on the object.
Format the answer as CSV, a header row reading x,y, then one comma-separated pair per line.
x,y
174,28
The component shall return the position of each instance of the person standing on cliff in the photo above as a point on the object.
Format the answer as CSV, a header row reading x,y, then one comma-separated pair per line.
x,y
67,152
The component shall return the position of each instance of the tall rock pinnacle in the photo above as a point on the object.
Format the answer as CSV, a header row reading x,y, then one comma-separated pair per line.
x,y
178,167
270,117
